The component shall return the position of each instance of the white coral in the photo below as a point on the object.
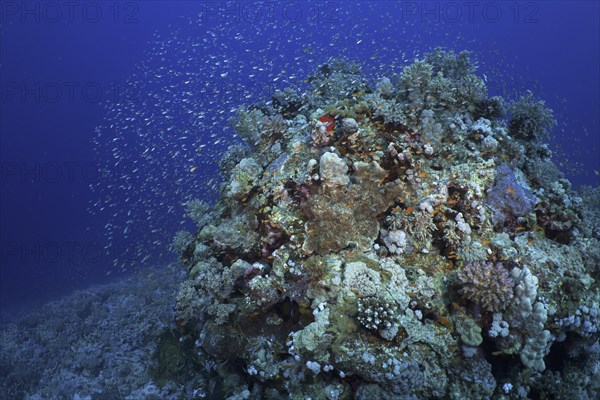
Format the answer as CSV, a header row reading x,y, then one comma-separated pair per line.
x,y
532,355
394,240
360,279
333,169
526,285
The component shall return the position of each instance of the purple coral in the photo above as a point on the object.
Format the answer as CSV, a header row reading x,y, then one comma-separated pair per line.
x,y
487,283
508,199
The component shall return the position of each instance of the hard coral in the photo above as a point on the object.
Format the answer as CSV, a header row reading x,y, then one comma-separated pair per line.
x,y
341,222
378,315
487,283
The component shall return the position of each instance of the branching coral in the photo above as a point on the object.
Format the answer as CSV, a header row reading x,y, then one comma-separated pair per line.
x,y
530,119
181,241
378,315
486,283
409,227
272,125
198,211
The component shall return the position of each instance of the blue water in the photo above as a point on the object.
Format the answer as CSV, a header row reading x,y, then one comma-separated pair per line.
x,y
134,88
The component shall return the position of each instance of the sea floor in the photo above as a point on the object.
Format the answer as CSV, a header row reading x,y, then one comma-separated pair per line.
x,y
97,343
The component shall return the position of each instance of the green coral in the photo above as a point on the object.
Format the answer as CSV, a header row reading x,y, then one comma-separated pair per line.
x,y
470,332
